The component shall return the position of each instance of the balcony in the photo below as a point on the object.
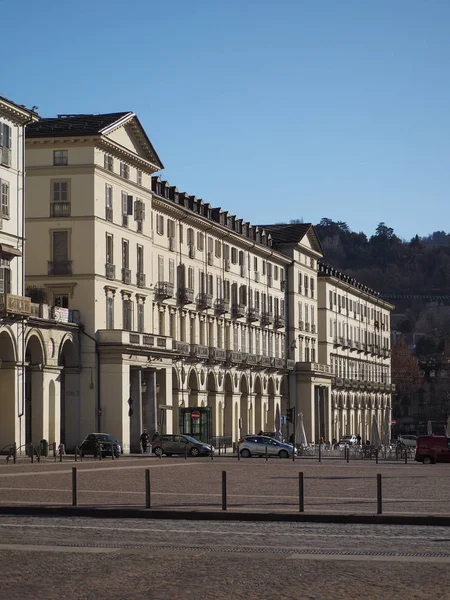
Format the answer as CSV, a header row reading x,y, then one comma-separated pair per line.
x,y
54,313
315,367
120,337
186,296
140,280
164,290
279,322
252,359
238,311
126,275
290,364
266,319
278,363
60,209
266,361
60,267
253,315
182,348
110,271
313,328
218,354
204,301
307,326
234,357
221,306
301,325
199,351
14,305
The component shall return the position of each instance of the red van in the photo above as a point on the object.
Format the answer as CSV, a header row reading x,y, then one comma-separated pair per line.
x,y
432,448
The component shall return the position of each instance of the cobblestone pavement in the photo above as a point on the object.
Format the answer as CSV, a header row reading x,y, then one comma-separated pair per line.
x,y
252,484
84,559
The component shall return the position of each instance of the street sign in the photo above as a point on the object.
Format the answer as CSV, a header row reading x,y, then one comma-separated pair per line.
x,y
166,407
195,415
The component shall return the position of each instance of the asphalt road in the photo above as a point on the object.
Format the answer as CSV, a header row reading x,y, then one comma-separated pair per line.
x,y
51,558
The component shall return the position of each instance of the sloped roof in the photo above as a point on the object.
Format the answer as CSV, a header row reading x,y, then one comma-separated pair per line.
x,y
73,125
293,233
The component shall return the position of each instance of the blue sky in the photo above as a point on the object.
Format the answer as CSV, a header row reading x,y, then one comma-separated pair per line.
x,y
272,110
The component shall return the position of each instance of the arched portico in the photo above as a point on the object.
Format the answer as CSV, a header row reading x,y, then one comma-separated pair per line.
x,y
10,381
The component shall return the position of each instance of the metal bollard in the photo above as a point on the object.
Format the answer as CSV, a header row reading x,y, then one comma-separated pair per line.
x,y
62,449
379,495
38,454
148,503
185,452
267,454
320,453
74,486
54,449
376,456
14,453
212,453
76,453
238,452
32,454
348,453
301,493
406,456
224,490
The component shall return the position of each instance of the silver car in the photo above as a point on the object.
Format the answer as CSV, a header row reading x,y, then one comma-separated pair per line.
x,y
258,445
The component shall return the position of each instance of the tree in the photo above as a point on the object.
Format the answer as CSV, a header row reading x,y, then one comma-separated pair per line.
x,y
405,374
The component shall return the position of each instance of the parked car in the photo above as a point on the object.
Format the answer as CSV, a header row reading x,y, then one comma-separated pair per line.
x,y
348,440
256,445
180,444
104,442
407,440
432,448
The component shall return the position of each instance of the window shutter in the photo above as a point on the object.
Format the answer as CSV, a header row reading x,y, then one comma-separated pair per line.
x,y
60,246
142,211
124,203
136,211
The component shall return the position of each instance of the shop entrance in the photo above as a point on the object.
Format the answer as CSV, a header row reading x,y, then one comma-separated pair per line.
x,y
200,428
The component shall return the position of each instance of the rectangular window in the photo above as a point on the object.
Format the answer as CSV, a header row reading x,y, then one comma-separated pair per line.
x,y
110,312
171,271
124,170
60,191
60,158
263,267
127,314
219,288
139,211
159,224
5,276
275,273
160,268
140,317
200,241
217,248
139,176
125,255
109,162
300,281
311,281
109,202
255,263
140,259
4,192
191,278
190,237
5,135
306,281
233,256
170,228
60,249
109,249
180,229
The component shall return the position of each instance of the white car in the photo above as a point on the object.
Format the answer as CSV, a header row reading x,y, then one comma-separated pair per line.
x,y
407,440
348,440
257,445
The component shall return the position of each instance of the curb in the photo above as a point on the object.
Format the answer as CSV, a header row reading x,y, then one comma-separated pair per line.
x,y
143,513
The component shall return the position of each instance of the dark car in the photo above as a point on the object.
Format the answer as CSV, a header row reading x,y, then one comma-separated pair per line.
x,y
94,443
180,444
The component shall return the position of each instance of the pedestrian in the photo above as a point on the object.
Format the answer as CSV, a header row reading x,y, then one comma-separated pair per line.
x,y
261,432
144,441
155,436
358,440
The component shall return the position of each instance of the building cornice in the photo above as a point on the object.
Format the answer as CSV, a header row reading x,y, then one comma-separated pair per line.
x,y
19,114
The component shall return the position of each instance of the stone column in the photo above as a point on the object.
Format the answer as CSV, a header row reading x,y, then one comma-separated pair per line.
x,y
37,404
115,391
150,416
135,407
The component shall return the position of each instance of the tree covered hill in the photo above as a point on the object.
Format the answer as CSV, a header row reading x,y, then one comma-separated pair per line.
x,y
387,263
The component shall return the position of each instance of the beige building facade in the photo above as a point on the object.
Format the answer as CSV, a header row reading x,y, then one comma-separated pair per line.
x,y
354,325
36,340
192,320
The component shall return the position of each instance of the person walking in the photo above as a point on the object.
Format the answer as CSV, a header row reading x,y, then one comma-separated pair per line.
x,y
144,441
